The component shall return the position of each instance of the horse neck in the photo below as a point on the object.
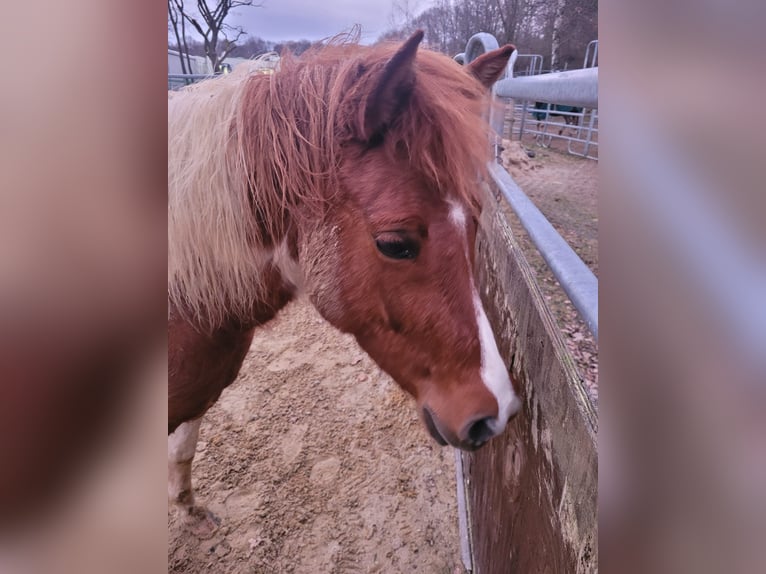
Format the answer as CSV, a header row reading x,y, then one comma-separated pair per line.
x,y
227,242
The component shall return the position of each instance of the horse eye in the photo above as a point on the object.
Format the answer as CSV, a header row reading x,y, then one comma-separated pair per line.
x,y
398,248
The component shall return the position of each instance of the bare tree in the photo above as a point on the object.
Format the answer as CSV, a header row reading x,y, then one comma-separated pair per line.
x,y
177,23
558,25
295,47
252,46
557,29
219,38
581,24
192,47
520,20
402,13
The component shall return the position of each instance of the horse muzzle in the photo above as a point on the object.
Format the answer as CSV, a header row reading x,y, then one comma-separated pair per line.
x,y
470,437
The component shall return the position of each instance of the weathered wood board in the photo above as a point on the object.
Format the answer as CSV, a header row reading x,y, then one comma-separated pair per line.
x,y
532,493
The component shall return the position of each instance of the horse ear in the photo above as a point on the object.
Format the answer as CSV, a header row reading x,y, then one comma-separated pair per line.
x,y
393,87
488,67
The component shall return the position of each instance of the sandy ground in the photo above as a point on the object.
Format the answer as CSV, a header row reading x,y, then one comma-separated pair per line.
x,y
315,462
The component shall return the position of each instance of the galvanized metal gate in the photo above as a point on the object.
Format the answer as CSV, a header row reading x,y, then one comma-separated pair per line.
x,y
534,100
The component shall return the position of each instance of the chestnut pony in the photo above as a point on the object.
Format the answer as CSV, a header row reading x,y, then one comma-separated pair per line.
x,y
350,175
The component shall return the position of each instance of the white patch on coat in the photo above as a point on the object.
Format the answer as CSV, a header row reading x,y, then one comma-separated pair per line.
x,y
183,442
457,216
181,447
288,267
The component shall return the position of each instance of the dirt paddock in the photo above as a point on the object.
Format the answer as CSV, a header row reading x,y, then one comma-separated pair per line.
x,y
315,462
565,189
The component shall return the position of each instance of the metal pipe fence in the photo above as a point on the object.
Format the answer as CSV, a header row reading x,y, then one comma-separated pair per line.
x,y
533,67
552,386
577,88
581,136
572,88
176,81
591,55
577,280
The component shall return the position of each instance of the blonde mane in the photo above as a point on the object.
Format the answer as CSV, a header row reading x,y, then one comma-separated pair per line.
x,y
251,155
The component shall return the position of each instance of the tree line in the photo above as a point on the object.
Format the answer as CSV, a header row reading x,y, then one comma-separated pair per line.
x,y
217,38
250,47
559,30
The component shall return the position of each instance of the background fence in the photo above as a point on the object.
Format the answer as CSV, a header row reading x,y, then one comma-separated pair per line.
x,y
265,63
546,122
529,496
177,81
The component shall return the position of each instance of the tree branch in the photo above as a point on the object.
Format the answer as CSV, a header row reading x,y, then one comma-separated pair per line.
x,y
212,27
198,27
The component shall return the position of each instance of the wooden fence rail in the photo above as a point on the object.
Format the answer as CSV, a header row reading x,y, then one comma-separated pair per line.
x,y
532,493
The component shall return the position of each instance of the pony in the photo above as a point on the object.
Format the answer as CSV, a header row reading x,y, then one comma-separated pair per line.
x,y
349,175
551,109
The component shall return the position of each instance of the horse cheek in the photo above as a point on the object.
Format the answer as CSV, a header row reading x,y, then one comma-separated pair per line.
x,y
321,254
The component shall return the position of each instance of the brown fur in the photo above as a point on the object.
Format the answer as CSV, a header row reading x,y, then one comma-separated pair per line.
x,y
341,147
292,153
202,364
281,158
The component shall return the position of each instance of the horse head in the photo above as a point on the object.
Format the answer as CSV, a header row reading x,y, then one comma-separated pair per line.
x,y
391,260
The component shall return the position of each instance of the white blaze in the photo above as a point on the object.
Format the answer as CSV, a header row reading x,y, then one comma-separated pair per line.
x,y
493,371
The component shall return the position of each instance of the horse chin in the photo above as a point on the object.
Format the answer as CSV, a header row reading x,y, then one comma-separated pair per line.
x,y
428,419
444,438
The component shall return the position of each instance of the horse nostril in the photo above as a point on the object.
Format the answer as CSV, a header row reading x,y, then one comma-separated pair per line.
x,y
481,431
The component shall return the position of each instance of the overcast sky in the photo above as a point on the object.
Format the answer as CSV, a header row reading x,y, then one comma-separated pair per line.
x,y
315,19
